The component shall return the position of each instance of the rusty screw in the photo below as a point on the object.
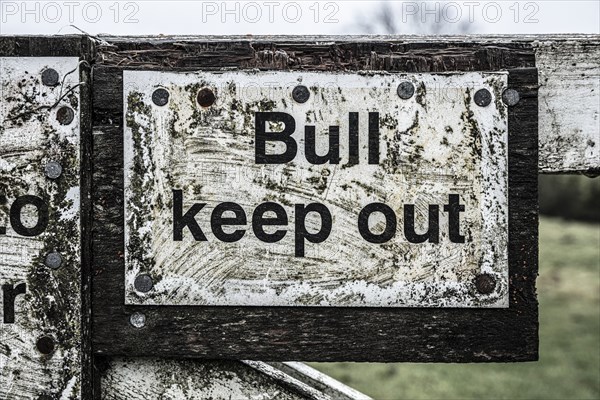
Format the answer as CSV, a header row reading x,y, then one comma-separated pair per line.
x,y
510,97
206,97
406,90
53,170
53,260
143,283
300,94
485,283
483,97
65,115
45,345
160,97
137,320
50,77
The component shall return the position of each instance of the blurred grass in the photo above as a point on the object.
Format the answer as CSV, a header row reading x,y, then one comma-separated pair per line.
x,y
569,366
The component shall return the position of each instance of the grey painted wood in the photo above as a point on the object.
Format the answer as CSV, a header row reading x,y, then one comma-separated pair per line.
x,y
319,381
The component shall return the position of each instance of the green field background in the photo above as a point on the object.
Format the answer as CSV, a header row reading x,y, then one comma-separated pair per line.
x,y
569,365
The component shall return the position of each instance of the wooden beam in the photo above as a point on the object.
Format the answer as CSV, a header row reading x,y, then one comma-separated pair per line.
x,y
568,73
569,104
150,378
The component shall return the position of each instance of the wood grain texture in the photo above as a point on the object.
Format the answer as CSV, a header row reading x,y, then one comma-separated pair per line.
x,y
569,106
285,333
320,381
153,378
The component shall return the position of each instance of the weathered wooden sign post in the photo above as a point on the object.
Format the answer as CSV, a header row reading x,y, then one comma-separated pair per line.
x,y
274,198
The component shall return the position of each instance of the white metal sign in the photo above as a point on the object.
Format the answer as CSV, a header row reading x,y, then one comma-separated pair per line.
x,y
316,189
40,313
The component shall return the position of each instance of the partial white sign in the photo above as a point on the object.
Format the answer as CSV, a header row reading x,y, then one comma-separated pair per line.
x,y
40,313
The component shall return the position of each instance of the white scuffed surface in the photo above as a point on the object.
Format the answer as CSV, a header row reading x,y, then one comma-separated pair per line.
x,y
25,147
569,105
209,154
151,378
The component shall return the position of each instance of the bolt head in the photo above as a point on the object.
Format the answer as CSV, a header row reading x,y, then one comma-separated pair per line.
x,y
50,77
510,97
53,170
206,97
143,283
406,90
483,97
160,97
300,94
65,115
485,283
137,320
45,345
53,260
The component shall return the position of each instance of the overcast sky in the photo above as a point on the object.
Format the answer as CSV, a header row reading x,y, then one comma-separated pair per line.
x,y
295,17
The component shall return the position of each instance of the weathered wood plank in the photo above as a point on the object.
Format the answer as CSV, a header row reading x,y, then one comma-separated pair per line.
x,y
569,105
319,381
153,378
568,67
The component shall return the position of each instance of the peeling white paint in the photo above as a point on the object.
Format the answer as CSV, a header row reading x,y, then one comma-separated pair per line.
x,y
434,144
30,136
569,105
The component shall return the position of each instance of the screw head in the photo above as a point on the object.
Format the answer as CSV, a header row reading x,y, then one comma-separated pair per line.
x,y
143,283
53,170
300,94
406,90
160,97
65,115
483,97
510,97
53,260
45,345
137,320
206,97
485,283
50,77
